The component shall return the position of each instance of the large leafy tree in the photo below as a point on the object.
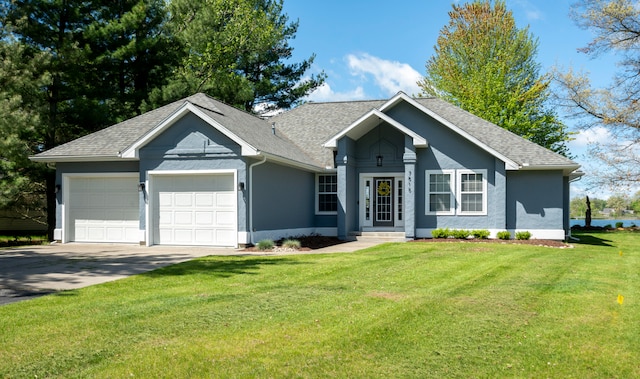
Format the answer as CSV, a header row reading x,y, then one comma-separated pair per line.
x,y
616,26
486,65
236,51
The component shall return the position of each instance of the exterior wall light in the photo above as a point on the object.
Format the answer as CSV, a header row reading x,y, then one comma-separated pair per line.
x,y
241,186
141,187
57,188
379,161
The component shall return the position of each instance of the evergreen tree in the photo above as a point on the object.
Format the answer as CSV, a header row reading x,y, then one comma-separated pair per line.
x,y
484,64
234,50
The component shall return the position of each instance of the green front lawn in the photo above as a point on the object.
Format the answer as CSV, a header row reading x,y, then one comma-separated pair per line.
x,y
397,310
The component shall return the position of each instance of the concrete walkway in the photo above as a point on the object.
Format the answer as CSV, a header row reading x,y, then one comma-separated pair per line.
x,y
30,271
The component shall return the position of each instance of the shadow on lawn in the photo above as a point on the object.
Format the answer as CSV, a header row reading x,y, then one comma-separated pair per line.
x,y
221,267
594,239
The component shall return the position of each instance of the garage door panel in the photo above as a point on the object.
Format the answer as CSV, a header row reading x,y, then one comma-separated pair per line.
x,y
225,200
103,209
183,199
182,218
204,199
194,209
204,218
225,218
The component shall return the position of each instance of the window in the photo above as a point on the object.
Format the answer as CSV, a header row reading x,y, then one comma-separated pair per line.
x,y
327,189
462,192
472,192
440,197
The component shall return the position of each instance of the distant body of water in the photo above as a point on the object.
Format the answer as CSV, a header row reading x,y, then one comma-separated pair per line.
x,y
600,222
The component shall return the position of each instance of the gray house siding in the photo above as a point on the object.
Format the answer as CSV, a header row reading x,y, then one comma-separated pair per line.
x,y
282,202
448,151
535,200
193,145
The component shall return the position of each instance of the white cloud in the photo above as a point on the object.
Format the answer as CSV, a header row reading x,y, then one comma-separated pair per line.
x,y
530,10
589,136
326,93
389,76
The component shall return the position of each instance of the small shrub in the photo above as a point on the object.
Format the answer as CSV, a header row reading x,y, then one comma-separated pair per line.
x,y
504,235
482,234
461,233
523,235
441,233
265,245
291,244
619,224
608,226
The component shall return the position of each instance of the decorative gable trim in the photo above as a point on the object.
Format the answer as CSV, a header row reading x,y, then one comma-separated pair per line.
x,y
401,96
132,151
370,120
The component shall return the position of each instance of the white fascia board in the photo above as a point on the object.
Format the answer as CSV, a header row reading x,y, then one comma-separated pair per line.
x,y
509,163
566,169
289,162
418,141
77,158
133,150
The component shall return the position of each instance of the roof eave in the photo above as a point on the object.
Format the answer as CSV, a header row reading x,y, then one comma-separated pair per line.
x,y
418,141
290,162
78,158
566,169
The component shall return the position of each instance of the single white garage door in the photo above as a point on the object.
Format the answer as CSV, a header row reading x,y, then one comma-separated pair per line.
x,y
194,210
103,209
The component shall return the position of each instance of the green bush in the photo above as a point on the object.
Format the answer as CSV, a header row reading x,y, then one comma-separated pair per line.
x,y
504,235
461,233
265,245
441,233
619,224
482,234
523,235
291,244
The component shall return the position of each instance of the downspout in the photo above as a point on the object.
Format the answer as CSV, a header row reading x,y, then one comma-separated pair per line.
x,y
264,159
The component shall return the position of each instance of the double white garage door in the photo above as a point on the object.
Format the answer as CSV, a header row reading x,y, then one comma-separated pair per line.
x,y
184,209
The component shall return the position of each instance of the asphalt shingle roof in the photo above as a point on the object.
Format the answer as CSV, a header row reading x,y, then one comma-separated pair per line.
x,y
300,133
110,142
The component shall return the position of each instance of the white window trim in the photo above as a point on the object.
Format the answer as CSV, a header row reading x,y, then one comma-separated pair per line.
x,y
452,205
459,174
317,194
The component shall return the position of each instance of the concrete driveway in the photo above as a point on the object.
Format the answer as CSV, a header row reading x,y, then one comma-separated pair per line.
x,y
31,271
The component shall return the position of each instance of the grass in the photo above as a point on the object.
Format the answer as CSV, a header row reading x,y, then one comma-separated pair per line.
x,y
22,238
396,310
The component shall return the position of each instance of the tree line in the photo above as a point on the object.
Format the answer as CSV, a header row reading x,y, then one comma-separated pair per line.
x,y
618,205
71,67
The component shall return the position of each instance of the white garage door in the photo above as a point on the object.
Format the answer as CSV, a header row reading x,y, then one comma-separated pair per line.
x,y
103,209
194,210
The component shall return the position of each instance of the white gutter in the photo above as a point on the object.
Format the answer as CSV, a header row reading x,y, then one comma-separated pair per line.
x,y
264,159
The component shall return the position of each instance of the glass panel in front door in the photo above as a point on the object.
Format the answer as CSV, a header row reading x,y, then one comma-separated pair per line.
x,y
383,215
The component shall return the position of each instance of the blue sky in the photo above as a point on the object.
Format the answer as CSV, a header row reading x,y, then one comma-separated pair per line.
x,y
371,49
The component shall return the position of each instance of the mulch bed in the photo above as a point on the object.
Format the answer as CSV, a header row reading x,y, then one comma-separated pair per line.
x,y
309,243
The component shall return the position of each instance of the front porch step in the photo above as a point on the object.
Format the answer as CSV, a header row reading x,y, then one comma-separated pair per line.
x,y
379,236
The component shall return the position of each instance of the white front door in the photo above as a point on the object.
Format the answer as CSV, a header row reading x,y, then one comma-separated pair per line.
x,y
381,201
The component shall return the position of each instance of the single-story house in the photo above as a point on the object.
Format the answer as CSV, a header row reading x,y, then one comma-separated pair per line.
x,y
200,172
